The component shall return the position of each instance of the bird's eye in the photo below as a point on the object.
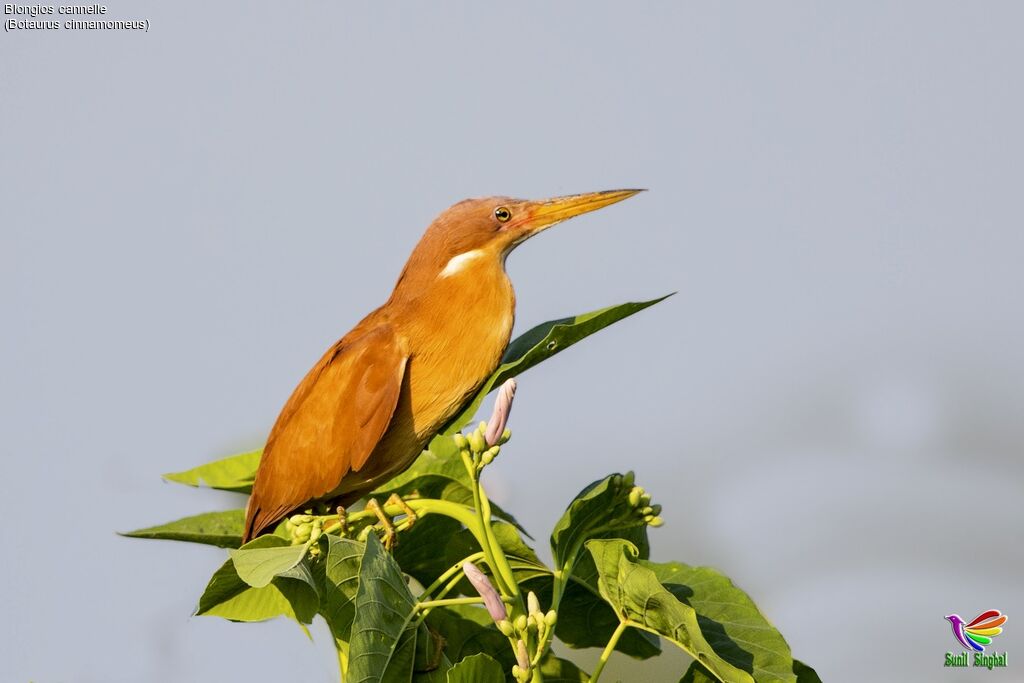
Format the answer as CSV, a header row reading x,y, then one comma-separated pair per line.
x,y
502,214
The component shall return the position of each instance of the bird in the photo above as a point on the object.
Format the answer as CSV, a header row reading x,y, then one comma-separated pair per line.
x,y
980,631
368,407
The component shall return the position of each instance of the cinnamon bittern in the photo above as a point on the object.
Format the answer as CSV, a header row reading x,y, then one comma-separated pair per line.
x,y
366,410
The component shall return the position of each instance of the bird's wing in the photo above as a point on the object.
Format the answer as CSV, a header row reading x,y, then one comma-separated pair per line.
x,y
330,425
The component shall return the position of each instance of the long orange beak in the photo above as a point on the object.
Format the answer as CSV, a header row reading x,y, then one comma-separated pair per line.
x,y
545,213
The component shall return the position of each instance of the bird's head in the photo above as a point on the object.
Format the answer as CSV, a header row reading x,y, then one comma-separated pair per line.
x,y
954,619
491,227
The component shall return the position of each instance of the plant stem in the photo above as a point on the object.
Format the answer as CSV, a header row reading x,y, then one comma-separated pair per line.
x,y
450,572
499,555
427,604
341,647
608,649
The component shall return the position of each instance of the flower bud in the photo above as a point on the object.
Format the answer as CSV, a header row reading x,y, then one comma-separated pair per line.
x,y
645,499
477,444
532,603
655,522
505,626
634,496
517,673
629,479
655,510
551,618
492,601
460,441
502,408
522,656
520,623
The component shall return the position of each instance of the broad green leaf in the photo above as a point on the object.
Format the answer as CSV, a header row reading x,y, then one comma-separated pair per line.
x,y
420,549
468,630
804,673
698,674
557,670
338,578
476,669
222,529
542,342
382,646
229,597
598,511
642,602
258,563
729,620
234,473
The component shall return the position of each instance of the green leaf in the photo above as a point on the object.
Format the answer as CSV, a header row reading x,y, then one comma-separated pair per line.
x,y
729,620
642,602
804,673
338,578
468,630
258,563
476,669
598,510
383,640
556,670
229,597
698,674
222,529
234,473
542,342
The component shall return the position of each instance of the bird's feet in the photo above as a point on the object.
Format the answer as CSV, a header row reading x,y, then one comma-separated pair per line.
x,y
390,533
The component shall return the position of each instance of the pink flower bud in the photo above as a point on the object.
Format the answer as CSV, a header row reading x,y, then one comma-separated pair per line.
x,y
502,408
492,601
521,656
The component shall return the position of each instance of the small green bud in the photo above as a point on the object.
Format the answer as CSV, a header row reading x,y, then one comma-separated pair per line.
x,y
488,457
315,533
616,481
645,499
655,510
520,623
505,436
629,479
517,673
647,511
634,496
301,519
551,618
655,522
460,441
477,444
505,626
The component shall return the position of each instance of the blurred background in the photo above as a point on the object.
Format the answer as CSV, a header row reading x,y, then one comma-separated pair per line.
x,y
830,409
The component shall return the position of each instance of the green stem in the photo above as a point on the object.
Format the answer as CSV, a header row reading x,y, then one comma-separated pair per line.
x,y
484,538
427,604
450,572
341,647
499,555
608,649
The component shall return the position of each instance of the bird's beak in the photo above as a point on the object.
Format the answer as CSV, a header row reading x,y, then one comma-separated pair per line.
x,y
540,215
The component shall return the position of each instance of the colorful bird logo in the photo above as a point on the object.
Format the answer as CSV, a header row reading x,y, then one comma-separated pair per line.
x,y
978,633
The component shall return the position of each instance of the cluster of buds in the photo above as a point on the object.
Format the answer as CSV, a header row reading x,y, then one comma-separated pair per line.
x,y
305,529
535,625
638,499
483,444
